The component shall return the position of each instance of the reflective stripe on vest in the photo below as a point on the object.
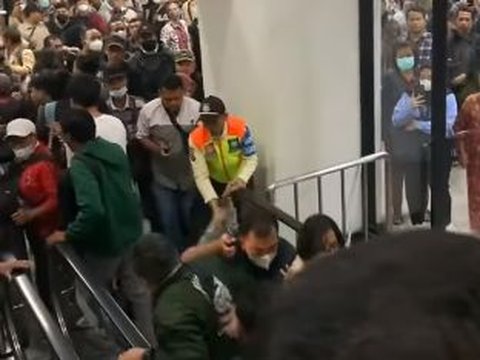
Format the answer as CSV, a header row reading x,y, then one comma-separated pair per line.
x,y
224,156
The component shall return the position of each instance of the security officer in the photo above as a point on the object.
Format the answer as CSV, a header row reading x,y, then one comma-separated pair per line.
x,y
222,153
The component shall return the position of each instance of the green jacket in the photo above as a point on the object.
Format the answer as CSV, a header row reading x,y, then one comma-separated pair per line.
x,y
186,322
108,218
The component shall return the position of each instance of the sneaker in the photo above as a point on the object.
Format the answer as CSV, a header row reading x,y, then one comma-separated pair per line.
x,y
451,228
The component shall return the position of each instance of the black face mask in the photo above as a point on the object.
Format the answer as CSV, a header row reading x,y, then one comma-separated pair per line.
x,y
149,45
62,18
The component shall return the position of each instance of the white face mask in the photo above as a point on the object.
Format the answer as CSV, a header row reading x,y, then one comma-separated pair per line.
x,y
83,8
95,45
23,154
264,261
121,33
426,84
119,93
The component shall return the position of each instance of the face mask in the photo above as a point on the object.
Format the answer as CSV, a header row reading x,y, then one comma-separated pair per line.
x,y
121,33
95,45
264,261
118,93
406,63
62,18
24,153
44,4
83,8
150,45
426,84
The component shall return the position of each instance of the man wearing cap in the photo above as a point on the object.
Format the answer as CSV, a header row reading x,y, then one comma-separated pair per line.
x,y
37,182
33,30
192,79
222,153
116,50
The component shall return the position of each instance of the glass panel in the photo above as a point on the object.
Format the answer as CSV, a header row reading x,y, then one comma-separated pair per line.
x,y
407,52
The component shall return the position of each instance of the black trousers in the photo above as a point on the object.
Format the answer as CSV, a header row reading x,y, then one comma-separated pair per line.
x,y
398,179
417,181
40,250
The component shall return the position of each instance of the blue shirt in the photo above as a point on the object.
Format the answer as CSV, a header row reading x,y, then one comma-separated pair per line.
x,y
404,113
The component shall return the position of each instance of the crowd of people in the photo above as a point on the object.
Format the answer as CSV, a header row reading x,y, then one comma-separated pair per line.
x,y
108,144
406,104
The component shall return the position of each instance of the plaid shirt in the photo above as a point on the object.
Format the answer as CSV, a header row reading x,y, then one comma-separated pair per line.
x,y
424,49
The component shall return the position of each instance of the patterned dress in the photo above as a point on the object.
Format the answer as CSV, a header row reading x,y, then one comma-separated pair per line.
x,y
467,130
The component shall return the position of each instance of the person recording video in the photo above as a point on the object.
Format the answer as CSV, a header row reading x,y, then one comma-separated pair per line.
x,y
413,116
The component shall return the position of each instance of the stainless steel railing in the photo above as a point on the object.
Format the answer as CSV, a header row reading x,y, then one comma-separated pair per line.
x,y
130,334
60,345
11,346
363,163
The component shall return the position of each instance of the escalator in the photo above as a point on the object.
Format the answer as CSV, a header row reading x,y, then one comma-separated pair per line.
x,y
62,329
30,313
29,330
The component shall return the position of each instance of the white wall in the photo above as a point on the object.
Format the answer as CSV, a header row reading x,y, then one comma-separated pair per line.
x,y
292,69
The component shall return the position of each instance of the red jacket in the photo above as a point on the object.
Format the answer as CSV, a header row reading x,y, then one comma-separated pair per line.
x,y
38,187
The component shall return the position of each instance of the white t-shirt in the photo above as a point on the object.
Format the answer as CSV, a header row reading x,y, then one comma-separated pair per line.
x,y
111,129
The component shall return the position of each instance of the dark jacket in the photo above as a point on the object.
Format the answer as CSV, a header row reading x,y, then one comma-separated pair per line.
x,y
10,109
392,89
72,35
149,72
249,285
463,58
186,322
108,219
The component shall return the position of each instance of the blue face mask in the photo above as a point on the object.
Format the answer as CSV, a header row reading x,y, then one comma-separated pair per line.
x,y
44,4
406,63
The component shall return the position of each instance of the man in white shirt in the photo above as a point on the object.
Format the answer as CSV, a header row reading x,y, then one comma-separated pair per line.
x,y
85,92
163,129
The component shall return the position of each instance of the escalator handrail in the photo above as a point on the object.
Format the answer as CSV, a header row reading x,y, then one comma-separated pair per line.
x,y
104,299
60,345
250,197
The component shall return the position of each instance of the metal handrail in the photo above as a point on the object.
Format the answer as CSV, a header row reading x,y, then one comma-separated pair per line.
x,y
341,169
60,345
104,299
248,196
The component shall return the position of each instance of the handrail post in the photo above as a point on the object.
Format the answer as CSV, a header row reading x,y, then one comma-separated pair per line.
x,y
344,202
388,195
295,200
320,194
364,169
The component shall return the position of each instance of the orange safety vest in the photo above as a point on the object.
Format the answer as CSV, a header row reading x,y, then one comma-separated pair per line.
x,y
223,155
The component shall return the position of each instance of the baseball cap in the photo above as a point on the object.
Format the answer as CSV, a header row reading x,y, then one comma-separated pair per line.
x,y
212,106
115,41
20,128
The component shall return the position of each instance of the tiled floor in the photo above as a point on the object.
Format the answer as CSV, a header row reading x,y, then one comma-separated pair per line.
x,y
458,190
